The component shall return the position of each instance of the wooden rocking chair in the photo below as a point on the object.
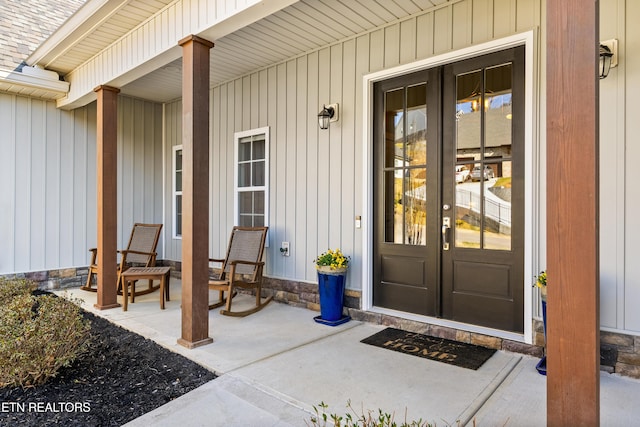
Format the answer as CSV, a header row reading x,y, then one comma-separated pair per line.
x,y
242,268
140,252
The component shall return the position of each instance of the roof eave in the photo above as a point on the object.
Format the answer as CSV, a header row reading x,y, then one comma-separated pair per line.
x,y
31,78
91,14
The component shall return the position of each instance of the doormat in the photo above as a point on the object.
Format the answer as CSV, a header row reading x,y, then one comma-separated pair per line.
x,y
440,349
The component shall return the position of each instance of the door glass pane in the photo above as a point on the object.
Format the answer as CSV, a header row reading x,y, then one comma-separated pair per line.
x,y
483,197
393,206
405,165
468,148
415,202
498,112
394,127
497,209
468,113
416,140
467,219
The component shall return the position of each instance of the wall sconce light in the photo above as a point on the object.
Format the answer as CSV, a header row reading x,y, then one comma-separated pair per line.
x,y
608,52
328,114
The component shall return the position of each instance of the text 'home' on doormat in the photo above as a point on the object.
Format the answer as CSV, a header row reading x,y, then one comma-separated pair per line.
x,y
440,349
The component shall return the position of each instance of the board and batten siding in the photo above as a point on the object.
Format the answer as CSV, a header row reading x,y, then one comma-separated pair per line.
x,y
316,176
173,136
619,191
48,203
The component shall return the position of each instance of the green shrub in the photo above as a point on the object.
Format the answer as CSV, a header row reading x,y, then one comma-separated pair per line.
x,y
11,288
38,335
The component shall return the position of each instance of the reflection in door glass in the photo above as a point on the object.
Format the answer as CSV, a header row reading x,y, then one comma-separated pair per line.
x,y
483,159
392,207
405,165
468,112
415,207
394,127
467,211
498,111
416,141
497,209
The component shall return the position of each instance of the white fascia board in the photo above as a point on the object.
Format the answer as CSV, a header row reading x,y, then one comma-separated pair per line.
x,y
90,15
71,102
87,98
35,78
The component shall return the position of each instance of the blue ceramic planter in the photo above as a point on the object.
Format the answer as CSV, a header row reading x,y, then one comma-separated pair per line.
x,y
541,367
331,290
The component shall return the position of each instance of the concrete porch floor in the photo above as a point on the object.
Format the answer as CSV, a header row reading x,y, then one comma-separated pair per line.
x,y
275,365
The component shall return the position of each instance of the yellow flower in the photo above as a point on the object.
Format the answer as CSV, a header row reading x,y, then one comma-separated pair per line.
x,y
332,258
541,280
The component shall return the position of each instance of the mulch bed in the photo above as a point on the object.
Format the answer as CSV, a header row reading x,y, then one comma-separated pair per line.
x,y
121,377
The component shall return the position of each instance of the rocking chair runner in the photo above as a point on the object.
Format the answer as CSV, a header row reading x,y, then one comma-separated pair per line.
x,y
140,252
242,268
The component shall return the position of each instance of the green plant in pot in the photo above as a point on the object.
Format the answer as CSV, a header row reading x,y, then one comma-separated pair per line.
x,y
332,261
541,282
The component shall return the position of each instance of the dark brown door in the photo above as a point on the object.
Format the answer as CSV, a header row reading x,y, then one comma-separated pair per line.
x,y
449,192
406,160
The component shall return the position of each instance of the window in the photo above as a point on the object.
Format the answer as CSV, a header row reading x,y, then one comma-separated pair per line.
x,y
252,178
177,191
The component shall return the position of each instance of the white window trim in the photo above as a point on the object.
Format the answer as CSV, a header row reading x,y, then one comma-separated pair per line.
x,y
236,137
532,194
174,193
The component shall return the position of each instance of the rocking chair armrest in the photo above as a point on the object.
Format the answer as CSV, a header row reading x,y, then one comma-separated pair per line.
x,y
129,251
239,261
125,252
216,260
94,255
234,264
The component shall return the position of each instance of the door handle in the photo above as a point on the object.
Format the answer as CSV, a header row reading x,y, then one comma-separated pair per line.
x,y
446,225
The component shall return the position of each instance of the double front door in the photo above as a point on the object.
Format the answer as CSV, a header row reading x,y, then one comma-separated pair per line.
x,y
449,191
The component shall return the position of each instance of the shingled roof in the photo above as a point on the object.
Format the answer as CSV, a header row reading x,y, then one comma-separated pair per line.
x,y
25,24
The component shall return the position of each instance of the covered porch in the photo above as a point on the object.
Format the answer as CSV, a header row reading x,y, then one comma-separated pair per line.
x,y
277,364
270,58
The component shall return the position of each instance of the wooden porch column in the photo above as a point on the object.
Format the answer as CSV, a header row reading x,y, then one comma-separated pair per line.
x,y
195,191
107,170
573,315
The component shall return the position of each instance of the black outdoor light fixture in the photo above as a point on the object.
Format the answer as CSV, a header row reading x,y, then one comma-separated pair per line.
x,y
328,114
608,57
605,61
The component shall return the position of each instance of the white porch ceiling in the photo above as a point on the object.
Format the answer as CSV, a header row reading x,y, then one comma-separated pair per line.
x,y
301,27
